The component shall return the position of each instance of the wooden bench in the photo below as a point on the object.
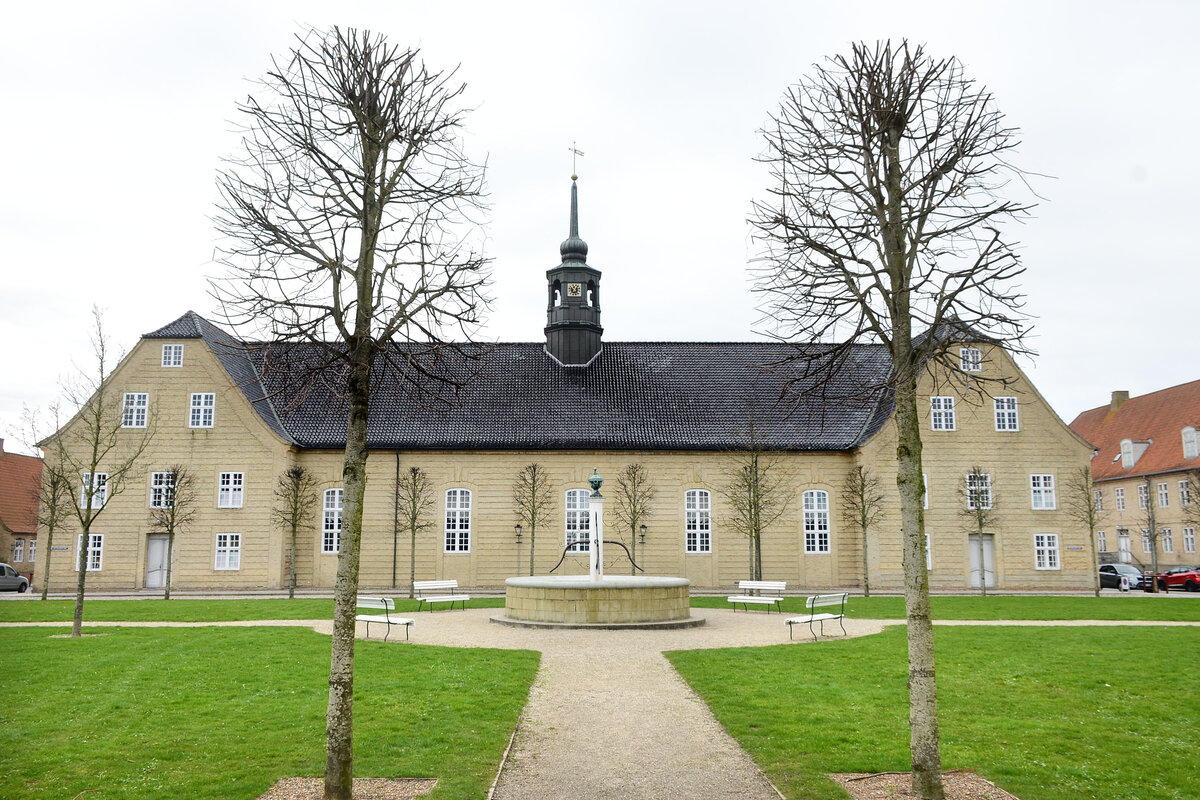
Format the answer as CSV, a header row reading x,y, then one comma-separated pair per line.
x,y
752,593
821,601
388,606
438,592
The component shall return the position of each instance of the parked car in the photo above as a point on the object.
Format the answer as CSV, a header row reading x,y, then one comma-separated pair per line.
x,y
1176,577
11,580
1110,576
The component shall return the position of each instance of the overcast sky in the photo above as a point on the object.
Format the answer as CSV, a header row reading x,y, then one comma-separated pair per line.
x,y
117,116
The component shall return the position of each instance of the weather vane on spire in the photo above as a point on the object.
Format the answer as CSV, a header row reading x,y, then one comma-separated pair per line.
x,y
575,153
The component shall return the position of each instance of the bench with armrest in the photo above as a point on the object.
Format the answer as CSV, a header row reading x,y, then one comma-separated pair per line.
x,y
763,593
825,601
387,618
430,592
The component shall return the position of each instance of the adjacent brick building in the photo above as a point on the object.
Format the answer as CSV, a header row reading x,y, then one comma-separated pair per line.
x,y
20,480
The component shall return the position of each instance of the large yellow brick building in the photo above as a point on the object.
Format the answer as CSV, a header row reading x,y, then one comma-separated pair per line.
x,y
574,403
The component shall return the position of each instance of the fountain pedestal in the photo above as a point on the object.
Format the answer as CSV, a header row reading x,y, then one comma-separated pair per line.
x,y
577,601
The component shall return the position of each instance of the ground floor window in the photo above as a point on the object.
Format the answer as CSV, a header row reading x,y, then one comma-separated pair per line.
x,y
1189,540
578,521
18,550
95,551
32,550
1168,544
229,551
1045,550
458,521
697,510
331,526
1145,540
1101,542
816,522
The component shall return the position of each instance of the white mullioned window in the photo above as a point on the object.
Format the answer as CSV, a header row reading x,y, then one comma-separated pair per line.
x,y
1168,542
1119,496
458,521
1185,493
99,490
1164,495
1145,540
172,355
18,550
32,550
229,552
697,515
928,552
970,359
816,521
1101,542
134,413
95,551
1006,413
925,494
1098,495
162,489
331,524
203,404
1041,487
231,489
1045,551
578,521
1143,495
942,409
979,491
1191,448
1189,540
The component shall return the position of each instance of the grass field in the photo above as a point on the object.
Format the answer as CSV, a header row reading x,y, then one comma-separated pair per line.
x,y
1047,713
159,610
223,714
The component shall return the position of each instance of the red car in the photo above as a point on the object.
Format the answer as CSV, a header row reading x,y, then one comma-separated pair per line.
x,y
1186,577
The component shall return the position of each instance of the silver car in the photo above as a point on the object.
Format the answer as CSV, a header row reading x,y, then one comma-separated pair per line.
x,y
11,580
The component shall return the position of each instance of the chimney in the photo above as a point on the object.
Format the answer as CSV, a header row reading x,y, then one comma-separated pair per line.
x,y
1119,399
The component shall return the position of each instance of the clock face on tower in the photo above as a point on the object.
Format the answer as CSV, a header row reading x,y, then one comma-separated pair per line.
x,y
574,289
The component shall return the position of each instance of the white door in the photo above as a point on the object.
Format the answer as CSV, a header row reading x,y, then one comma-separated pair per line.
x,y
1123,553
156,561
989,559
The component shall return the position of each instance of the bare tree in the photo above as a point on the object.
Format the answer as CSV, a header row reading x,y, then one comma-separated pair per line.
x,y
862,507
631,503
758,495
1146,492
979,511
295,504
172,509
53,494
885,217
96,448
531,501
350,234
414,500
1191,499
1081,505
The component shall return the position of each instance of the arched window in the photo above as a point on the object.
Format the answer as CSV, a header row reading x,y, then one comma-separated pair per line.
x,y
458,521
331,524
579,521
697,525
1190,447
592,299
556,294
816,521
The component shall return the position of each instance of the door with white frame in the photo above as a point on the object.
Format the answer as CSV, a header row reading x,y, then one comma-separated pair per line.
x,y
1124,553
156,561
989,560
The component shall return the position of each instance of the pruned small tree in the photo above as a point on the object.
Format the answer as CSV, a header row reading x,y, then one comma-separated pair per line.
x,y
884,225
531,501
172,509
1081,505
631,503
1146,495
862,509
978,510
1191,499
52,494
295,505
758,493
96,450
351,225
414,502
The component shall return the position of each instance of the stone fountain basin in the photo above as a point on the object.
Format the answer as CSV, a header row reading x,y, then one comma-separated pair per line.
x,y
577,601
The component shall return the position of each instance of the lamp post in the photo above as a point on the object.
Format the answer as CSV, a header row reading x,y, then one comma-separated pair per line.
x,y
596,510
517,528
642,535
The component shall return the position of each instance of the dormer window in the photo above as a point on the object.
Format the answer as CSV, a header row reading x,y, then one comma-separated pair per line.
x,y
1127,453
1191,449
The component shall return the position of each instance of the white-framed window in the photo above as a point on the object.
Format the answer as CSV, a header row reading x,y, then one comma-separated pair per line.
x,y
1006,413
979,491
134,413
1045,551
458,521
970,359
32,550
1098,496
1145,540
1127,459
928,553
231,488
331,524
1185,493
697,521
942,409
1143,495
1191,448
816,521
162,489
203,404
578,521
1101,542
18,550
1168,541
229,552
1124,548
1119,497
99,490
95,551
1041,488
925,494
172,355
1164,495
1189,540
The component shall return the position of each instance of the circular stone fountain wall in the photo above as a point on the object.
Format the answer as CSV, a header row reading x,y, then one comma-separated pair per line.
x,y
575,601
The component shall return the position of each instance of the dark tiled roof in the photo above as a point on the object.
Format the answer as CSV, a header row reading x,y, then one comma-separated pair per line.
x,y
186,327
1158,418
20,479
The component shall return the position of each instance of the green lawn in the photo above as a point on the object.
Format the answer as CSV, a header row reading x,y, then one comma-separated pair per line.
x,y
1047,713
207,713
159,610
1037,607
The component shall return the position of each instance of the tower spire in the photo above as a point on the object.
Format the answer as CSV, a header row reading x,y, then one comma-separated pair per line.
x,y
574,248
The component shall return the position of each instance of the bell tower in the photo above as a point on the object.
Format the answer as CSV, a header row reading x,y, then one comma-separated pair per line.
x,y
573,307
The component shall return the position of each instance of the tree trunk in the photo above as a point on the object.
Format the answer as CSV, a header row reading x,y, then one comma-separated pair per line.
x,y
412,559
1095,564
532,537
866,571
292,566
77,624
396,518
170,561
982,565
47,550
